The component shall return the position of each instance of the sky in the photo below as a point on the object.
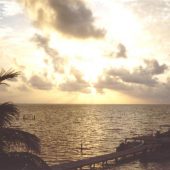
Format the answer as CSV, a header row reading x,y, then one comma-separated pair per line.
x,y
86,52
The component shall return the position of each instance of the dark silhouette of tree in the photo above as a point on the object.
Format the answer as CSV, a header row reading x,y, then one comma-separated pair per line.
x,y
13,139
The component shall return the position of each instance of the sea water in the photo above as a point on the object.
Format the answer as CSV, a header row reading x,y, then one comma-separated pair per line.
x,y
98,129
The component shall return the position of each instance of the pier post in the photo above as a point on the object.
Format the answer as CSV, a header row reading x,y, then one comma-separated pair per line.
x,y
102,164
116,160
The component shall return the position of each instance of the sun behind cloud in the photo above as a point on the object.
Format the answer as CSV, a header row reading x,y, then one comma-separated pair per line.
x,y
78,51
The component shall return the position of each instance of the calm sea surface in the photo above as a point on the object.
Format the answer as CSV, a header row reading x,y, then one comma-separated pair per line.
x,y
100,128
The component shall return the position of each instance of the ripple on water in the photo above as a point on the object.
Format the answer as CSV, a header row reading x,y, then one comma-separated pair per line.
x,y
100,128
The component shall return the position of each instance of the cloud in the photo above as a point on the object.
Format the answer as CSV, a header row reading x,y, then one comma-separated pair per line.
x,y
157,94
160,93
70,17
9,8
158,8
142,82
77,84
77,74
24,88
74,86
154,16
155,68
140,75
112,83
3,88
57,61
121,51
118,51
2,10
39,83
41,41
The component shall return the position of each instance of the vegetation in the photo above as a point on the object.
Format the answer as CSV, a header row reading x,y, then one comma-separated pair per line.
x,y
12,140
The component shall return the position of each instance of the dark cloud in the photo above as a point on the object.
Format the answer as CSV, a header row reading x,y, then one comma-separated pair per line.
x,y
70,17
41,41
57,61
77,74
154,67
74,86
160,93
141,75
141,82
157,94
39,83
77,84
121,51
138,76
110,82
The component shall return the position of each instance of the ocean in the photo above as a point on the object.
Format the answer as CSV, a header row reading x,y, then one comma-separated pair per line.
x,y
98,128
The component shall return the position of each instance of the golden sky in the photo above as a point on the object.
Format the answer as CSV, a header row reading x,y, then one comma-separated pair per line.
x,y
83,51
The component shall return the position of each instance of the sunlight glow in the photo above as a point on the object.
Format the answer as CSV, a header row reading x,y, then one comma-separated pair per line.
x,y
81,64
88,56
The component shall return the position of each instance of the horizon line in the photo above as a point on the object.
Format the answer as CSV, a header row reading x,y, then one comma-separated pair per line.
x,y
94,103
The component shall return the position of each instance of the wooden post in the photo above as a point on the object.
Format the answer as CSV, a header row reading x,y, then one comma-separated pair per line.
x,y
102,164
116,160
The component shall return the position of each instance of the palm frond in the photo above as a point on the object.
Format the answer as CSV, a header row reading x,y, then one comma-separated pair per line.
x,y
21,161
6,75
8,112
20,138
3,146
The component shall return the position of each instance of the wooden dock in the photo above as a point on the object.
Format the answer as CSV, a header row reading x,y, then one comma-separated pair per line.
x,y
103,159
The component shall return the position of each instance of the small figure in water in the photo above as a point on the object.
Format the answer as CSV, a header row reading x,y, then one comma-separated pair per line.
x,y
81,148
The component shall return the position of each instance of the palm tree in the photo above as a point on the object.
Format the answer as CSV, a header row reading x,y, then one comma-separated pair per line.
x,y
15,138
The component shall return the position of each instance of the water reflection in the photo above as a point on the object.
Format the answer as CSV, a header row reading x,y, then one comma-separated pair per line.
x,y
100,128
